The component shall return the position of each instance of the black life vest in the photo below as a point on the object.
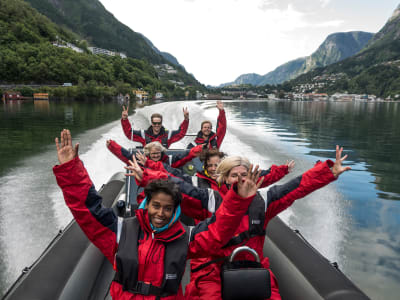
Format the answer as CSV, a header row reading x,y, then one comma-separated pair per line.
x,y
256,213
212,139
127,262
162,137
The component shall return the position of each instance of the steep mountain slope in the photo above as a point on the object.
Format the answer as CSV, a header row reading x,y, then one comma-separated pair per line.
x,y
169,57
336,47
374,70
92,21
100,28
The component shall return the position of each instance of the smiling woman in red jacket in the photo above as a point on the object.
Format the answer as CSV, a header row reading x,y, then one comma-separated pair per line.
x,y
200,203
148,251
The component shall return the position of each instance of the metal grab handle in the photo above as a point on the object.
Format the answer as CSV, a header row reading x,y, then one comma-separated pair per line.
x,y
247,249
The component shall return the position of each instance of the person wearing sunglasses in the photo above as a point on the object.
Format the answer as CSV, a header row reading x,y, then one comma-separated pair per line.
x,y
149,251
156,131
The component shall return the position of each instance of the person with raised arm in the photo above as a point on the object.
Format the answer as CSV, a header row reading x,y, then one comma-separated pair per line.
x,y
207,136
149,251
156,131
201,203
154,152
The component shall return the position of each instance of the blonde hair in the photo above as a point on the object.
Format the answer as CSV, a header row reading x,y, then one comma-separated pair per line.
x,y
227,164
151,145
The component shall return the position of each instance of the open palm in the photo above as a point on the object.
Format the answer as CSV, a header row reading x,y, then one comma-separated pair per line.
x,y
248,185
337,168
65,151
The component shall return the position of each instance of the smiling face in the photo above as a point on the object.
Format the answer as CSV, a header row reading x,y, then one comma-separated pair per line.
x,y
156,123
160,209
155,154
206,129
212,164
233,175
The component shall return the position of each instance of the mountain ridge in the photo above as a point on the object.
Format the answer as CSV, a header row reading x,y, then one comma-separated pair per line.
x,y
337,46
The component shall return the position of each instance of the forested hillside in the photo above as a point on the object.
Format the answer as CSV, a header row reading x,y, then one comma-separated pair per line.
x,y
28,56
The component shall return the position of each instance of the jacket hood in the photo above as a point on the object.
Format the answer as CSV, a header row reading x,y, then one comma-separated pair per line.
x,y
174,230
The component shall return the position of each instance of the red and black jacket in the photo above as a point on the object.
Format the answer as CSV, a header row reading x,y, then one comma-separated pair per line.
x,y
165,137
102,227
175,161
278,198
214,139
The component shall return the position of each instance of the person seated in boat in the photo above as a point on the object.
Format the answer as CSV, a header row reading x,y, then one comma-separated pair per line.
x,y
156,131
154,152
207,177
207,136
200,203
149,251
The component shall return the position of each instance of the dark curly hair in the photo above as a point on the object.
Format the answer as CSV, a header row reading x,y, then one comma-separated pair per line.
x,y
208,153
165,186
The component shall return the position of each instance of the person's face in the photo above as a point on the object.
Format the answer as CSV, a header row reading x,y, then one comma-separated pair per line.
x,y
155,154
160,209
212,164
206,129
233,175
156,123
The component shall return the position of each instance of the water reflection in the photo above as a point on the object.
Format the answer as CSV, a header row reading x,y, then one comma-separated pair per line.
x,y
370,130
26,127
42,106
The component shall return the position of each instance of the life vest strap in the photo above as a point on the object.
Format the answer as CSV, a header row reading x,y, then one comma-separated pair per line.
x,y
243,237
144,288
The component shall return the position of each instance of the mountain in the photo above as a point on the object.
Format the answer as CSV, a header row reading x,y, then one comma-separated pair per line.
x,y
169,57
90,20
29,55
374,70
93,22
336,47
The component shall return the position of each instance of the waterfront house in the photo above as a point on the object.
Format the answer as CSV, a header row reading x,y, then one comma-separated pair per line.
x,y
12,96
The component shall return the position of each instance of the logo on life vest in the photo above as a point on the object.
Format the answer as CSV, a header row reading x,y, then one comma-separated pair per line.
x,y
256,222
171,276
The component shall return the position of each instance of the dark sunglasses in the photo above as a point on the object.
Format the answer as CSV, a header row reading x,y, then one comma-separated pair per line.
x,y
156,123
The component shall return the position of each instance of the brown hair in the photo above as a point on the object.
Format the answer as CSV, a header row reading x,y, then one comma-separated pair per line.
x,y
155,115
205,122
206,154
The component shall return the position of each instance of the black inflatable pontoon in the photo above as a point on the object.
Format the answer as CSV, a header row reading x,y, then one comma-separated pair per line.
x,y
72,268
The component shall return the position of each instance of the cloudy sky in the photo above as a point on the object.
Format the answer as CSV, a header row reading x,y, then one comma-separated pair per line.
x,y
218,40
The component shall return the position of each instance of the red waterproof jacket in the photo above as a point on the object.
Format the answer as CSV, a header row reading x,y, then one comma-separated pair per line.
x,y
165,137
205,284
101,227
215,139
176,161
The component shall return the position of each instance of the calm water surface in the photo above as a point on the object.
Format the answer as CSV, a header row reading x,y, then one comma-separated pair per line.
x,y
353,221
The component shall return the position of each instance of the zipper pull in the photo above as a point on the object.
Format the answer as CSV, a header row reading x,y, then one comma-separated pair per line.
x,y
152,235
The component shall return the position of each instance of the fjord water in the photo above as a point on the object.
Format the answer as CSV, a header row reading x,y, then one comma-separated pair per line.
x,y
353,221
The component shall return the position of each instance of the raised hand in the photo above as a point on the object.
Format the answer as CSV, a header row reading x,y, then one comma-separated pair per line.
x,y
125,112
290,164
248,185
337,168
186,113
141,158
220,105
65,151
135,169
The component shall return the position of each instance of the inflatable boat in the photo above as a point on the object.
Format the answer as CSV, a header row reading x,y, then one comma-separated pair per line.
x,y
73,268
